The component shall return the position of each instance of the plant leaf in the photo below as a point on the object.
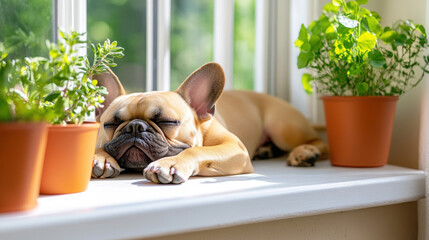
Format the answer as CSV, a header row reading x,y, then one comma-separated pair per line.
x,y
376,15
374,25
320,26
352,7
306,47
316,43
52,96
389,36
303,59
337,3
303,33
5,114
366,41
376,58
362,2
62,35
59,105
400,39
331,33
306,83
355,69
330,7
302,37
347,22
362,88
364,12
421,29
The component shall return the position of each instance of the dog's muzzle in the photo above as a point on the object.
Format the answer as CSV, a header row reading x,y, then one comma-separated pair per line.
x,y
139,144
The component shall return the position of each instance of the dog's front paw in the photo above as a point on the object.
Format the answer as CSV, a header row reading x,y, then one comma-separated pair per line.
x,y
168,170
105,166
303,156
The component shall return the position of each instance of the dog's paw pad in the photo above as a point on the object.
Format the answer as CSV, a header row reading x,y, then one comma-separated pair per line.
x,y
303,156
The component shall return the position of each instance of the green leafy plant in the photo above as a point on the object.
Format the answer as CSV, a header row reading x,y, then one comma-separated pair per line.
x,y
23,83
350,53
58,89
76,95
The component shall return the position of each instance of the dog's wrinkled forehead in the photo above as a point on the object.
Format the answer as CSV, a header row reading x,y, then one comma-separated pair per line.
x,y
146,106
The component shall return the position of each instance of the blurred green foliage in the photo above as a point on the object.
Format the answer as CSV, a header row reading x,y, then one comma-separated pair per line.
x,y
124,21
191,37
192,28
25,25
20,96
244,44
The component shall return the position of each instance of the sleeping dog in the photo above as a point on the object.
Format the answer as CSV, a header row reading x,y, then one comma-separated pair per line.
x,y
197,130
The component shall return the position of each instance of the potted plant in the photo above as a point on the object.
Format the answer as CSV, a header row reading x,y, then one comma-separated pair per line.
x,y
23,130
360,69
71,141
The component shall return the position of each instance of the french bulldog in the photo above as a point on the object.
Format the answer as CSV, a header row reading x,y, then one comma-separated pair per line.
x,y
197,130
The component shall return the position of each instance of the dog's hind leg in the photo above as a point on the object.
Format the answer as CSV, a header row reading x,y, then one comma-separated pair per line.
x,y
307,154
290,131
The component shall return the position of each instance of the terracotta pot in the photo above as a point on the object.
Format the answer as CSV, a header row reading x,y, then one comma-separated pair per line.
x,y
22,147
359,129
69,158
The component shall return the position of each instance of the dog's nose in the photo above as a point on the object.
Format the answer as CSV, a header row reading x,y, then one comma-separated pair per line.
x,y
136,126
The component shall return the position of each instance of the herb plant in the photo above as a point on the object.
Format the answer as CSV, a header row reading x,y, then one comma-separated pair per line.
x,y
76,95
57,89
350,53
23,83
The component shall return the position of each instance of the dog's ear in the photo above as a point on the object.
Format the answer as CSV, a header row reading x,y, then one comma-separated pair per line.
x,y
203,88
111,82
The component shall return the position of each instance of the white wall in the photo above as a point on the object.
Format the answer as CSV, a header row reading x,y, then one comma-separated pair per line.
x,y
405,140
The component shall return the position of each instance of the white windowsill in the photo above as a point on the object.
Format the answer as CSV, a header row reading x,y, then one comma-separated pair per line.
x,y
129,207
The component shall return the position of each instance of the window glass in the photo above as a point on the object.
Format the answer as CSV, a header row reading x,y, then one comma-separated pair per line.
x,y
244,44
191,37
25,26
123,21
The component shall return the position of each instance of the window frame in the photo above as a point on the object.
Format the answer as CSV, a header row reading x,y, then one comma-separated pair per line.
x,y
223,42
158,45
70,16
275,55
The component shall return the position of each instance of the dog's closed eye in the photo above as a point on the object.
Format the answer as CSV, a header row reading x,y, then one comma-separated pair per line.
x,y
113,123
110,125
168,123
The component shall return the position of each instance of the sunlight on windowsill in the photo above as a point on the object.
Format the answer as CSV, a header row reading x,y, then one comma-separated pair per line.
x,y
274,191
